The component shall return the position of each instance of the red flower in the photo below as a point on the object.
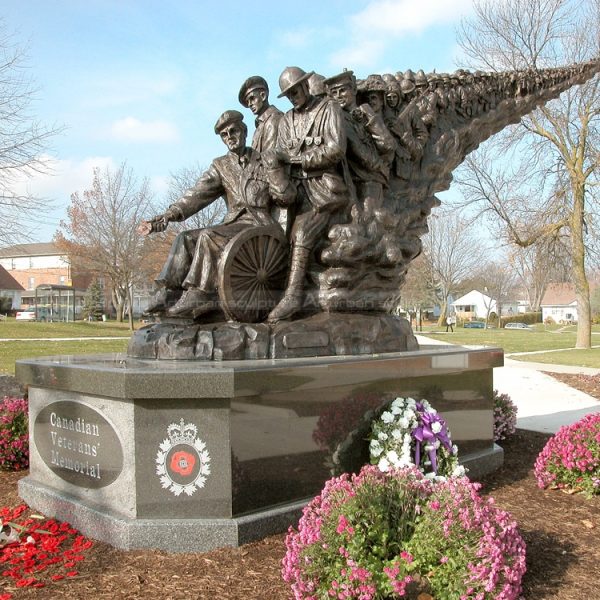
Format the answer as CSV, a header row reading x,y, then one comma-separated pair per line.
x,y
183,463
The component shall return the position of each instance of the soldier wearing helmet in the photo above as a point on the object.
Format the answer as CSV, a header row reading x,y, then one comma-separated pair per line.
x,y
312,143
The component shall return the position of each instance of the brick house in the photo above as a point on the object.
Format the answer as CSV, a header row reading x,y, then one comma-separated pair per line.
x,y
32,265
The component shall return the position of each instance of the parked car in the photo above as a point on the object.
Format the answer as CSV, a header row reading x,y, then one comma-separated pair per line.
x,y
474,325
29,314
518,326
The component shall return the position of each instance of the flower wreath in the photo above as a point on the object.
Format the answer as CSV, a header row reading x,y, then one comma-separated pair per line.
x,y
411,432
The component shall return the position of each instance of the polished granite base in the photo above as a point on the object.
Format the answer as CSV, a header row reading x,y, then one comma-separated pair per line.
x,y
125,448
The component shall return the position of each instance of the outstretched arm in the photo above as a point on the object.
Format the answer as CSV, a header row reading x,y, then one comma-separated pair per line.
x,y
206,190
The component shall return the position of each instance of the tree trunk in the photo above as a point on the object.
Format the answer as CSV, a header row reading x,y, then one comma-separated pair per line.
x,y
130,301
443,313
582,287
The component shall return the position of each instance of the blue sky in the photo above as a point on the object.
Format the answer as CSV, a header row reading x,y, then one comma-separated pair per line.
x,y
144,81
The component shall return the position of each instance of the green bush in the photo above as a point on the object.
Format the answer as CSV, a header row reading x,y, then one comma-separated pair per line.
x,y
529,317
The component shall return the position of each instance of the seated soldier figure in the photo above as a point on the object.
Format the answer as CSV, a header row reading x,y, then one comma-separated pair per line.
x,y
241,178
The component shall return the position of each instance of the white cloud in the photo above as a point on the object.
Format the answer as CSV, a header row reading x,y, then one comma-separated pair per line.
x,y
63,177
398,17
363,54
382,21
131,129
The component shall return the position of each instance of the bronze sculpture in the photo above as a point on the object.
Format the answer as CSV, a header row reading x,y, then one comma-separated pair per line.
x,y
357,180
191,269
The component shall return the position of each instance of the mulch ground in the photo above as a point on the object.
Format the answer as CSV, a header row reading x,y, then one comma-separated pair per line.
x,y
561,532
590,384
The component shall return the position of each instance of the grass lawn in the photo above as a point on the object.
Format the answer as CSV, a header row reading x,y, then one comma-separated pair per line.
x,y
33,329
511,340
12,351
576,358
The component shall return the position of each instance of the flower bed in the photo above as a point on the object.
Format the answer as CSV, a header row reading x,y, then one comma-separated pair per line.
x,y
571,458
14,434
386,534
35,552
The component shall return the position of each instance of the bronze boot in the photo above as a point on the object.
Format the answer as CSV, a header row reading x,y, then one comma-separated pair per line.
x,y
292,299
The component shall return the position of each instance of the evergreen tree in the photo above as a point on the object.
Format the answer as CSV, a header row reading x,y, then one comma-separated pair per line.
x,y
93,302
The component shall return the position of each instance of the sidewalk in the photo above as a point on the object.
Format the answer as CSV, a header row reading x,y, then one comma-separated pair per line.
x,y
544,403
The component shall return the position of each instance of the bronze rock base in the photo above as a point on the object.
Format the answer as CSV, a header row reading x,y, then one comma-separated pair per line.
x,y
323,334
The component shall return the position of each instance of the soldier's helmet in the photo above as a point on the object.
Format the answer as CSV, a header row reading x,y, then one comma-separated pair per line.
x,y
290,78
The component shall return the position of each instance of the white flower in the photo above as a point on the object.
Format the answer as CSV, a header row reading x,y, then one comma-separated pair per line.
x,y
398,403
458,471
375,448
383,465
436,427
403,422
393,458
430,410
454,449
382,435
405,461
387,417
430,475
437,444
396,434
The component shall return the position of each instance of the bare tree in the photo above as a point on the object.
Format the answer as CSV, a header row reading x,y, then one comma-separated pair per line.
x,y
101,232
181,181
453,253
23,141
537,265
560,141
498,282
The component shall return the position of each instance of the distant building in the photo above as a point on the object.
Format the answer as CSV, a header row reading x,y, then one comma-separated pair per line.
x,y
477,305
559,303
41,264
11,289
474,305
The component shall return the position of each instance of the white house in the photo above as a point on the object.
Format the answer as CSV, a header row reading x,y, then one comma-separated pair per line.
x,y
559,303
474,305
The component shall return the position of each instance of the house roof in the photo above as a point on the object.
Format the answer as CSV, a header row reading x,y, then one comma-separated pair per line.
x,y
8,282
38,249
473,297
559,294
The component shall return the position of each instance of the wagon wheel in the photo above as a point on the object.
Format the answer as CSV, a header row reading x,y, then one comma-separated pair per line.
x,y
252,273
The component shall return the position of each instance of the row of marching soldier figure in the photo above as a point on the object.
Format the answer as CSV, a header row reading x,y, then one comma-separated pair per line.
x,y
326,154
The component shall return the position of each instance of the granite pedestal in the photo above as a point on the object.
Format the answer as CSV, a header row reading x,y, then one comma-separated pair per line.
x,y
189,456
